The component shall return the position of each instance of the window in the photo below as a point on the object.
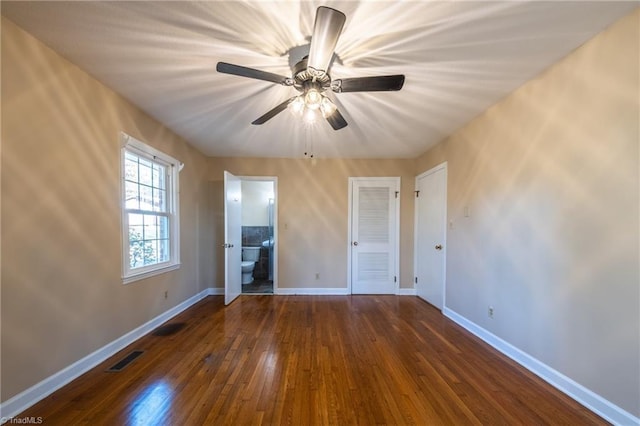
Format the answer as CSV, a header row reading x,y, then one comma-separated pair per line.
x,y
149,211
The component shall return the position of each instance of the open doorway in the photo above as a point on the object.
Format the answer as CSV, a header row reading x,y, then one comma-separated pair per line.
x,y
259,230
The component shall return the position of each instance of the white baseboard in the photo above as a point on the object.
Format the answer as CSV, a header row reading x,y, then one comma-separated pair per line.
x,y
215,291
41,390
312,291
584,396
332,291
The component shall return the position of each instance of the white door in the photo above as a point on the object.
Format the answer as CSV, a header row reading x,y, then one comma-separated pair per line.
x,y
374,235
430,238
232,237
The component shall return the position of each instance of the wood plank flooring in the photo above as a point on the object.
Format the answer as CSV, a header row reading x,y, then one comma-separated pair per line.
x,y
305,360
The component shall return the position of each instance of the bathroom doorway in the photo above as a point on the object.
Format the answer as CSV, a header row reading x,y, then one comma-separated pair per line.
x,y
259,231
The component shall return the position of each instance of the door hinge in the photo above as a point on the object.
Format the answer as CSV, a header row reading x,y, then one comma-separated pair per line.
x,y
395,279
417,193
397,193
416,280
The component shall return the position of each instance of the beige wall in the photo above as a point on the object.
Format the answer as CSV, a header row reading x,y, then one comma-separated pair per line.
x,y
62,295
550,176
313,215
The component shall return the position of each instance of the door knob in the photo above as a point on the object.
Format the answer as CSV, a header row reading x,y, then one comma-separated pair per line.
x,y
355,243
439,247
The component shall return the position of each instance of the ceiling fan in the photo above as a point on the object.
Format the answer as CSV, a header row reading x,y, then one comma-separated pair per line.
x,y
311,75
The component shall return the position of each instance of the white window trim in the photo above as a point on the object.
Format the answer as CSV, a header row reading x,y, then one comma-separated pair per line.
x,y
130,143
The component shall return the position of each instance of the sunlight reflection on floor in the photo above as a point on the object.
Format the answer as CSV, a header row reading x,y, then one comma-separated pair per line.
x,y
151,405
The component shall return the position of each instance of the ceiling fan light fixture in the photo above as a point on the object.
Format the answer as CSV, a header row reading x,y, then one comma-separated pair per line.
x,y
313,99
327,107
297,105
309,115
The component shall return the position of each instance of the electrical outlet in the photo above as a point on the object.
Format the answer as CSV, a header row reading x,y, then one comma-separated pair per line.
x,y
490,312
166,294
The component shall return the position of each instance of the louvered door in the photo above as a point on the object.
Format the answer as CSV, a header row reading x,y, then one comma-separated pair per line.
x,y
374,236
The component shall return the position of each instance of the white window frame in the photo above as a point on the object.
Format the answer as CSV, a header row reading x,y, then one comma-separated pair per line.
x,y
130,144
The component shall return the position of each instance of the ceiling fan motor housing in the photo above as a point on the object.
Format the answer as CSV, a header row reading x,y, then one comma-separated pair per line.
x,y
304,80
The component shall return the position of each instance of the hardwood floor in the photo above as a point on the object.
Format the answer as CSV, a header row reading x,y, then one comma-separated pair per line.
x,y
306,360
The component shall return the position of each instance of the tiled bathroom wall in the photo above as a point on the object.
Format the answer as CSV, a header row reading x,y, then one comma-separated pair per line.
x,y
253,236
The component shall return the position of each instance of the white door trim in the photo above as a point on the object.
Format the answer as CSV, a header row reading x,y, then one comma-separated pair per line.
x,y
441,166
351,182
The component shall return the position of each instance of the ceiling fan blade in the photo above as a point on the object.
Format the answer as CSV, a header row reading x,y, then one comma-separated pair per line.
x,y
368,84
272,113
326,31
336,120
226,68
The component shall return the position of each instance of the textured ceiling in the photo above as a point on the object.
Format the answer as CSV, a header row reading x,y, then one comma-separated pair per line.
x,y
459,58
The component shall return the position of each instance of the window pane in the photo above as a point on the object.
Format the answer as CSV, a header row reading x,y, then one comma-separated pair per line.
x,y
159,200
131,168
150,228
164,252
162,181
146,198
163,227
136,256
148,239
131,195
135,219
145,162
149,254
145,172
130,156
158,176
135,233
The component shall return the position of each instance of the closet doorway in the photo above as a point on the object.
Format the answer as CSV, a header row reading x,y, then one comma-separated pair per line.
x,y
431,235
374,231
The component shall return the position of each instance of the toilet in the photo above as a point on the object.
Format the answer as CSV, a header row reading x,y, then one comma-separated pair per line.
x,y
250,256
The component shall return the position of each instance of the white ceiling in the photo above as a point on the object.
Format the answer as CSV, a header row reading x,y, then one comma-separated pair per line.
x,y
458,57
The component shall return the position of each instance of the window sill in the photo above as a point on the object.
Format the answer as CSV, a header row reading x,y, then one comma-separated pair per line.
x,y
142,275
